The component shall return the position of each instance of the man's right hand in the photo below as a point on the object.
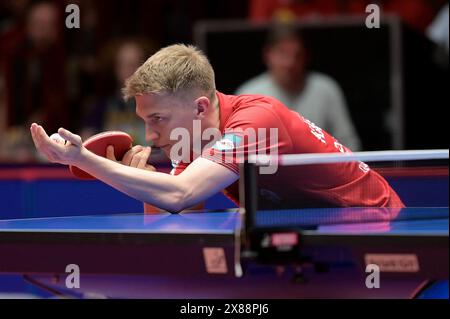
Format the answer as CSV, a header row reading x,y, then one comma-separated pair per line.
x,y
137,157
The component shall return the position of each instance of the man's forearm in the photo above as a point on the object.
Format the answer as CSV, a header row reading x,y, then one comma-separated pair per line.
x,y
159,189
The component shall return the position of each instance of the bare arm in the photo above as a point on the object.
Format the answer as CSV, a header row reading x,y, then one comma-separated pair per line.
x,y
200,180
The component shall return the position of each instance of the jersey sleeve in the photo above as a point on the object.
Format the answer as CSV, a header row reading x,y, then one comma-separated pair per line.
x,y
254,130
178,167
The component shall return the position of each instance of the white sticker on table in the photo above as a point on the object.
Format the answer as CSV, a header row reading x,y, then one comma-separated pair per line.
x,y
215,260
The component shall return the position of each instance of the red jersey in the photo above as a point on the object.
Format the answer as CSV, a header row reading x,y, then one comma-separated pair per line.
x,y
319,185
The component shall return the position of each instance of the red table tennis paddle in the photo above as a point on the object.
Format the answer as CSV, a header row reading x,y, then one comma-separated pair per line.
x,y
98,143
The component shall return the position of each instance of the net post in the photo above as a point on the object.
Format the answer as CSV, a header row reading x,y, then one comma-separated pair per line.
x,y
248,194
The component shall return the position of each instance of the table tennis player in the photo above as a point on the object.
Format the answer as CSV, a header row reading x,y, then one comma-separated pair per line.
x,y
175,92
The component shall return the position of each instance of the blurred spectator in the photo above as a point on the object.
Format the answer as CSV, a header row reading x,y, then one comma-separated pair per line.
x,y
315,96
438,30
35,71
34,74
418,14
289,10
12,20
110,111
82,61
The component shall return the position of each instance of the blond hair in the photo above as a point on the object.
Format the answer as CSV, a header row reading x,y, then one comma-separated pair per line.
x,y
173,69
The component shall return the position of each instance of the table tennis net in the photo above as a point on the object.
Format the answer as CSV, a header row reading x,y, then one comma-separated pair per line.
x,y
297,189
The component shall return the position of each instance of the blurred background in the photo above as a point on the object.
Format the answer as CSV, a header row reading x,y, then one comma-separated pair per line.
x,y
388,81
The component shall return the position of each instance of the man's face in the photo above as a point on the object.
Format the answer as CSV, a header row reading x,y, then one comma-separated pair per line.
x,y
42,25
161,115
286,62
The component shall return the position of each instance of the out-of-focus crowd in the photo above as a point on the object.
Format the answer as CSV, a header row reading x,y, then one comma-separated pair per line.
x,y
72,78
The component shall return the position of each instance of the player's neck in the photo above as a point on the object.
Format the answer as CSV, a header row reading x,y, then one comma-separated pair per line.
x,y
215,114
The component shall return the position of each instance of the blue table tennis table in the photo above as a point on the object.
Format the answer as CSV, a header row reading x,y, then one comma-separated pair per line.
x,y
301,253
